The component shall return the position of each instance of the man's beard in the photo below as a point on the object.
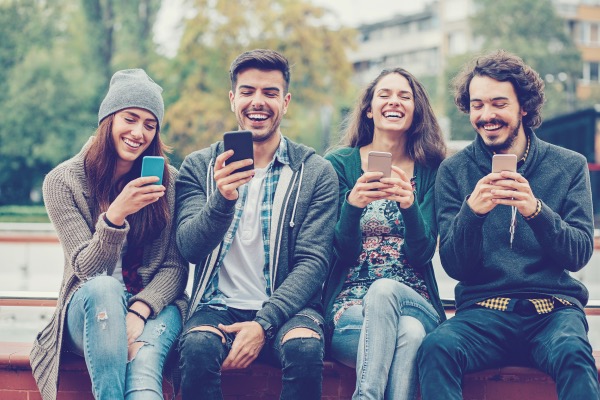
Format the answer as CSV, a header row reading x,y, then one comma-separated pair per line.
x,y
507,144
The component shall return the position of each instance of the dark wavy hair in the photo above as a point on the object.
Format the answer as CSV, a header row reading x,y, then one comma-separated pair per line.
x,y
425,144
504,67
100,165
262,59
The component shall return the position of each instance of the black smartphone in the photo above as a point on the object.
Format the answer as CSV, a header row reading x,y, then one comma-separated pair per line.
x,y
241,144
153,166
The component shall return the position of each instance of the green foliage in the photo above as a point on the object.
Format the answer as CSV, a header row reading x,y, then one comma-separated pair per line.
x,y
23,214
534,31
198,81
459,122
56,59
530,29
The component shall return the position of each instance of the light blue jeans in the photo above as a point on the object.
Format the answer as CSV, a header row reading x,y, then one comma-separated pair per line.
x,y
96,330
381,339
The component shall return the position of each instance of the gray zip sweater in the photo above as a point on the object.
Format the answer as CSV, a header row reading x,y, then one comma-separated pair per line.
x,y
301,232
476,249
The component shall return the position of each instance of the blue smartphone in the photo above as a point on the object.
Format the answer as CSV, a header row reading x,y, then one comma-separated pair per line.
x,y
153,166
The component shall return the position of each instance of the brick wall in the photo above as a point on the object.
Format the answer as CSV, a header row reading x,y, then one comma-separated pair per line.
x,y
262,382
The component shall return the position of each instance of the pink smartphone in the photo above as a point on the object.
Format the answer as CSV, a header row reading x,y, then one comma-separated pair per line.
x,y
380,161
504,162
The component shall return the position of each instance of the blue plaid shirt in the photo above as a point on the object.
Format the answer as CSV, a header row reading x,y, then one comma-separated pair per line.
x,y
212,294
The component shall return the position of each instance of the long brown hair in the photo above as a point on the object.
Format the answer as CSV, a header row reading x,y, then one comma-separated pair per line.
x,y
100,166
424,145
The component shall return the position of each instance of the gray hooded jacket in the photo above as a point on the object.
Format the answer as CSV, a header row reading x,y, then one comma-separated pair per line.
x,y
301,232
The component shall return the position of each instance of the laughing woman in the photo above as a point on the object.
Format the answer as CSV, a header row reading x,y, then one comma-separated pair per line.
x,y
381,297
121,301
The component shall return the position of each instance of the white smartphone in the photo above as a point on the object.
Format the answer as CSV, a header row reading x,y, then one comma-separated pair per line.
x,y
380,161
504,162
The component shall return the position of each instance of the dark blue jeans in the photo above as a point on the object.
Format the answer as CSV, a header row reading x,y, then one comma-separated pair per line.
x,y
479,338
203,353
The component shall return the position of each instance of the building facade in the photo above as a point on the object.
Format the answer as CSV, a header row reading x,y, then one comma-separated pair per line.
x,y
423,41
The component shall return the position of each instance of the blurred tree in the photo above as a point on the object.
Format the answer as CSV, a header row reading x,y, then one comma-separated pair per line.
x,y
197,82
119,35
135,44
53,77
36,96
533,31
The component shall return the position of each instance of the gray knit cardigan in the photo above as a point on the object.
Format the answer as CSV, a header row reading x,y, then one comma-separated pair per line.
x,y
91,248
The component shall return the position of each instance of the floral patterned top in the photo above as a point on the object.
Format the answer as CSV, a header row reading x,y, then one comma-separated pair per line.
x,y
382,257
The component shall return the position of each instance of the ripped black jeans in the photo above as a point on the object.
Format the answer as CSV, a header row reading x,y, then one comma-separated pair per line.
x,y
202,354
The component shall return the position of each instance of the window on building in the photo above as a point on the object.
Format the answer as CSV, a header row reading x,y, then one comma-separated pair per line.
x,y
593,34
591,72
584,32
588,33
594,71
457,43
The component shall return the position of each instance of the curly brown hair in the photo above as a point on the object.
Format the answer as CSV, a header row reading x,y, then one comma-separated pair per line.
x,y
504,67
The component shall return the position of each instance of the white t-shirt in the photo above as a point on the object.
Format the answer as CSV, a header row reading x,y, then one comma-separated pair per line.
x,y
241,276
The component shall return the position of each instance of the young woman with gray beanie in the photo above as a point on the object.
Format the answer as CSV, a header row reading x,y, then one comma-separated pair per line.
x,y
122,300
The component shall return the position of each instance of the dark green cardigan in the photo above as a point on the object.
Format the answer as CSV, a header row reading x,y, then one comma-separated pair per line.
x,y
420,229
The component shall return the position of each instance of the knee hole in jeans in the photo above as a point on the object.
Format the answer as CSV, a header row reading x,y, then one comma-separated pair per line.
x,y
209,329
133,349
300,333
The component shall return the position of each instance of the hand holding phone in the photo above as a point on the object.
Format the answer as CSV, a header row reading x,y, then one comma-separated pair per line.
x,y
243,148
153,166
380,161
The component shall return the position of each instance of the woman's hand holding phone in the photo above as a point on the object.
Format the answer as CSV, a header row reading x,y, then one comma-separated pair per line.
x,y
401,190
136,195
373,186
367,189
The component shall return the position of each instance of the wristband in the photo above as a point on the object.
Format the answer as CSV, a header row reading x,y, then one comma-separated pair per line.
x,y
267,327
538,210
131,310
109,223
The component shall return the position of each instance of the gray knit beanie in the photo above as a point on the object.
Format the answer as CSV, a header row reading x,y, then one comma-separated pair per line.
x,y
132,88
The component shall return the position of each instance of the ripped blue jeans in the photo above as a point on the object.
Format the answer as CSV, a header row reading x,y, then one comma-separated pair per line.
x,y
95,329
202,353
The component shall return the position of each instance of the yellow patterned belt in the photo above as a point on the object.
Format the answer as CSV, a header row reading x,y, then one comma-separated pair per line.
x,y
542,306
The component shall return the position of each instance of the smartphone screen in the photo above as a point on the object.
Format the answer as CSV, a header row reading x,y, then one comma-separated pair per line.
x,y
380,161
241,144
153,166
504,162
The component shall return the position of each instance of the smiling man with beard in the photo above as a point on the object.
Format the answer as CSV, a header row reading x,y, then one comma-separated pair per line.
x,y
261,240
516,301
